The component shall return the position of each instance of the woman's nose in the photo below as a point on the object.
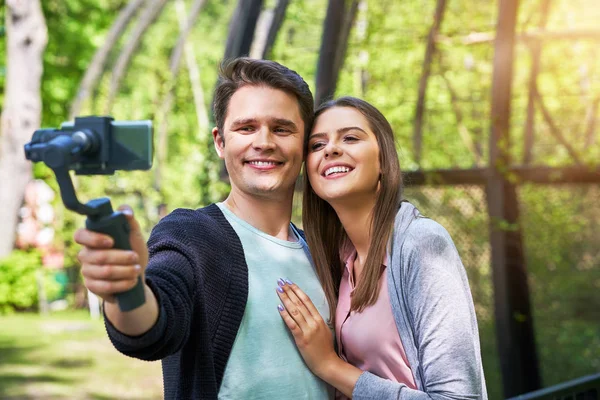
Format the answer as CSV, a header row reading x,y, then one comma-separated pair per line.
x,y
332,150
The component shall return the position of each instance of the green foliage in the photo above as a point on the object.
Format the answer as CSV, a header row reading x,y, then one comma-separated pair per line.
x,y
383,65
19,276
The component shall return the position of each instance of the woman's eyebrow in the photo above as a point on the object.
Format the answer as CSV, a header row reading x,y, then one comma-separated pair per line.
x,y
351,128
341,130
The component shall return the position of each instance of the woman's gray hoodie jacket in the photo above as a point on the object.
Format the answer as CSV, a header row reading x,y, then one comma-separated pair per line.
x,y
434,313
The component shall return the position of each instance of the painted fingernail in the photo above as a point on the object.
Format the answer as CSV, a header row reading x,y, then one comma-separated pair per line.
x,y
289,282
279,289
138,267
280,282
279,307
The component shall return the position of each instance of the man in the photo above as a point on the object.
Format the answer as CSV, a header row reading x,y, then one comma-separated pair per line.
x,y
211,306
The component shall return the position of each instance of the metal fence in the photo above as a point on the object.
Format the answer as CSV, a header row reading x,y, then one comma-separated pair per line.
x,y
561,235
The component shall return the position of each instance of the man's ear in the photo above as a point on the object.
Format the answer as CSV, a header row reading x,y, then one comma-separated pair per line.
x,y
218,141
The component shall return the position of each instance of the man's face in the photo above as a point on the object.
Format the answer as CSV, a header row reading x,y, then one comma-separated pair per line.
x,y
263,141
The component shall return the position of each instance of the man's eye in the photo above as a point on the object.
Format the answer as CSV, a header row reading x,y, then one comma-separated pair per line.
x,y
246,128
281,130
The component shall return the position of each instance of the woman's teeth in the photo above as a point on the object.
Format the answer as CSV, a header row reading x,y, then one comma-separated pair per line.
x,y
333,170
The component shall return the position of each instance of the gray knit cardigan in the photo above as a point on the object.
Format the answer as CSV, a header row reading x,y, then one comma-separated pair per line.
x,y
434,313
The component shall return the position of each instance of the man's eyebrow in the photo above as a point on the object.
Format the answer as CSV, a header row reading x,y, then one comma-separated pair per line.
x,y
284,122
243,121
275,121
341,130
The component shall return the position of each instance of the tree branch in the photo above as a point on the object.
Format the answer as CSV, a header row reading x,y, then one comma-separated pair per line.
x,y
592,116
429,52
463,131
167,102
149,15
536,52
554,129
276,24
532,35
96,66
344,35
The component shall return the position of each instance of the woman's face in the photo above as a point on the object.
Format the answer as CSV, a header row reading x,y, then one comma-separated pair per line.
x,y
343,157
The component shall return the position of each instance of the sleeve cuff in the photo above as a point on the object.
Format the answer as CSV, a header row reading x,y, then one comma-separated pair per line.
x,y
371,387
125,343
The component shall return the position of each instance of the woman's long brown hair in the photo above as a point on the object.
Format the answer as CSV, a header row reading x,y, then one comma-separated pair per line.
x,y
324,231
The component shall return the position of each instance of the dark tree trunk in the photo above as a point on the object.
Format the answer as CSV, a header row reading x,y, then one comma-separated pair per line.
x,y
514,321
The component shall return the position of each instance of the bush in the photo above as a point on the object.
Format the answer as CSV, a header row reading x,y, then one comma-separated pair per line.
x,y
19,274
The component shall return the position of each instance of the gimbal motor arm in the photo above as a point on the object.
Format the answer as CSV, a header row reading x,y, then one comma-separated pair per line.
x,y
60,150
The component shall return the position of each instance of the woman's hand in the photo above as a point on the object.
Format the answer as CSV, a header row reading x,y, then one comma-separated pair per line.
x,y
314,339
312,335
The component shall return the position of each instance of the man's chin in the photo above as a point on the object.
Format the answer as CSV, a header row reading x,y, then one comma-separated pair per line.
x,y
270,189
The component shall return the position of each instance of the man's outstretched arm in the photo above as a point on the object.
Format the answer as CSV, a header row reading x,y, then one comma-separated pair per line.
x,y
109,271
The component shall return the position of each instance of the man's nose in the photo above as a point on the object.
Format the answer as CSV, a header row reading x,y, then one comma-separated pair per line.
x,y
263,139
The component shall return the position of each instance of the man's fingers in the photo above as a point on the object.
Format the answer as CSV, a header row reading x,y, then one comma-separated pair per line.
x,y
110,272
136,236
136,230
104,257
106,289
93,239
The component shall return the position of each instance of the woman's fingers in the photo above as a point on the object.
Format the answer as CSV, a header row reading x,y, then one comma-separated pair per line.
x,y
310,320
294,307
305,300
290,322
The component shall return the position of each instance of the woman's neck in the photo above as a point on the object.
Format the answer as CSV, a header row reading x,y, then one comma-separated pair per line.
x,y
356,218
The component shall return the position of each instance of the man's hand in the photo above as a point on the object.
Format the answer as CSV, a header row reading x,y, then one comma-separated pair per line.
x,y
109,271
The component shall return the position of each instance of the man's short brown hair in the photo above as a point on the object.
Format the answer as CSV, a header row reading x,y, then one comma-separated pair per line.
x,y
243,71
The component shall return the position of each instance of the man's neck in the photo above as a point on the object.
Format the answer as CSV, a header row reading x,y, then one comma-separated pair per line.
x,y
269,215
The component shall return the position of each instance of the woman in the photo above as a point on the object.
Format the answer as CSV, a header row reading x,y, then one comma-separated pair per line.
x,y
404,320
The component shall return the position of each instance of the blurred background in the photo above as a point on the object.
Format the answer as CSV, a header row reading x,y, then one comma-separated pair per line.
x,y
499,140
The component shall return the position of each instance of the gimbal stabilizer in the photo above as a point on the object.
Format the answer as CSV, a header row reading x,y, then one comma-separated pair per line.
x,y
96,146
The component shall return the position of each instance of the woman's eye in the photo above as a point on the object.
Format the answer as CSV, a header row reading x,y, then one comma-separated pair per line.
x,y
316,146
350,139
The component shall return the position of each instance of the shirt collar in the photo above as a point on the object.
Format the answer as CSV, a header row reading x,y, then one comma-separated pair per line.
x,y
348,255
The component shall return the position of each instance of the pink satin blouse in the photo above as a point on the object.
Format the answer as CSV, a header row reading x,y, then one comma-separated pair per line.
x,y
369,340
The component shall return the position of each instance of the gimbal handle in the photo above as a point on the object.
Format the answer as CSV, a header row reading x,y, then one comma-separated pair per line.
x,y
115,225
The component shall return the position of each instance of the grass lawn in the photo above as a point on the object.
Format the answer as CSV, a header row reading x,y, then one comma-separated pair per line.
x,y
68,356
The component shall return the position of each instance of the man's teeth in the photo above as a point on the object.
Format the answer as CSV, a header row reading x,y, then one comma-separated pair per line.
x,y
263,163
333,170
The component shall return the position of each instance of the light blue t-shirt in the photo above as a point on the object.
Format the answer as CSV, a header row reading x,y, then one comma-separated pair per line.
x,y
264,361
